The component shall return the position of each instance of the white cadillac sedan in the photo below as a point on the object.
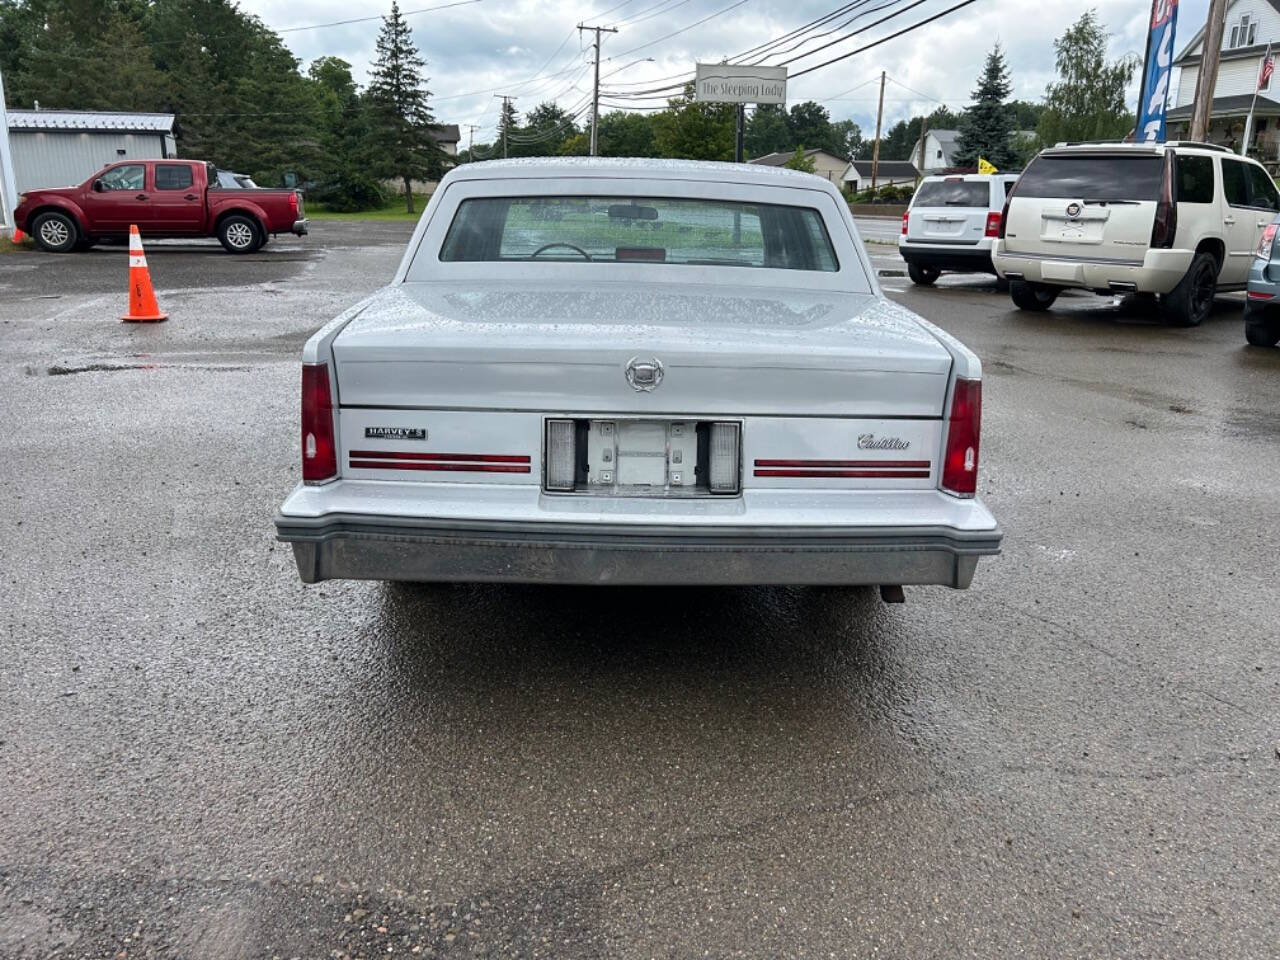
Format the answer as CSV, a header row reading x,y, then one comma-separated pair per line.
x,y
637,372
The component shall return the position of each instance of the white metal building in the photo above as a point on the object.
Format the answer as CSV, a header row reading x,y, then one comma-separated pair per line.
x,y
58,148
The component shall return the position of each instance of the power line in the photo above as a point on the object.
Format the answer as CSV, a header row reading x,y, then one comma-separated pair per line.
x,y
322,26
676,33
876,43
853,33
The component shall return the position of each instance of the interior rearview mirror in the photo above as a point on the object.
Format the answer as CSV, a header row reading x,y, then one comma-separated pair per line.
x,y
97,185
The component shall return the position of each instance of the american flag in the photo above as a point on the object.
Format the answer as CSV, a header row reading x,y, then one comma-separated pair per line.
x,y
1268,66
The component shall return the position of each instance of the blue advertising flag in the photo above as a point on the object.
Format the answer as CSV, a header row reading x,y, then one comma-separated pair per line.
x,y
1155,79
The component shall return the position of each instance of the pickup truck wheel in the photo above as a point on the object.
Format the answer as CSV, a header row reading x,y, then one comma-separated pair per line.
x,y
922,275
1032,296
55,232
1188,304
239,234
1261,327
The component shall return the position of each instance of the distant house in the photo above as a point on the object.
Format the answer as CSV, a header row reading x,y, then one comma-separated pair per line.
x,y
939,151
824,164
59,148
889,173
446,136
1251,26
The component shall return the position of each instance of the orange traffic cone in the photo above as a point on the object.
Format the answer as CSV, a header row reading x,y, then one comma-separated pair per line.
x,y
142,299
18,236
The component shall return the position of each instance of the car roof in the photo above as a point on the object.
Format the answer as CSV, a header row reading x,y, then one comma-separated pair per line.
x,y
943,177
638,167
1115,147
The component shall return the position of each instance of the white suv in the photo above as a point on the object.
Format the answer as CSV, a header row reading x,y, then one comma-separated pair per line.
x,y
1177,220
952,223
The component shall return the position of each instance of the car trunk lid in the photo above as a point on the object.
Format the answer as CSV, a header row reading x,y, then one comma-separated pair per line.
x,y
548,347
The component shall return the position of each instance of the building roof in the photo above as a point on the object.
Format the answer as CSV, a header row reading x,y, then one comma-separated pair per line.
x,y
90,120
446,133
1185,56
780,159
888,169
1226,106
947,138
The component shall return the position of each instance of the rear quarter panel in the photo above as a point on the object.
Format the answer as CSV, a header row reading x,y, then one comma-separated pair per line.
x,y
269,207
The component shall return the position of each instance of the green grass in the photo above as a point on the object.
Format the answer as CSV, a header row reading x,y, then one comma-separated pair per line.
x,y
393,209
8,246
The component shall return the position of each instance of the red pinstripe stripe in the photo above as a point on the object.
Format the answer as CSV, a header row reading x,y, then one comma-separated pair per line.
x,y
455,467
460,457
809,464
899,474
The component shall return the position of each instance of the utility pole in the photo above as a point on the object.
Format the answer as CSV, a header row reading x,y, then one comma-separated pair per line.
x,y
875,152
502,123
471,140
738,134
595,89
924,132
1210,49
8,192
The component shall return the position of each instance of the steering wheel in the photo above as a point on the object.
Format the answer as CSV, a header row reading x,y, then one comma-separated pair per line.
x,y
549,246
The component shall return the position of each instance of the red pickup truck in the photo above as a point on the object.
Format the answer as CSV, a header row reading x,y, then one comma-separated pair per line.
x,y
165,198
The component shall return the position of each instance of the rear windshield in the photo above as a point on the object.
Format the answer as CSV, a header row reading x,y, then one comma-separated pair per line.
x,y
953,193
1093,177
639,230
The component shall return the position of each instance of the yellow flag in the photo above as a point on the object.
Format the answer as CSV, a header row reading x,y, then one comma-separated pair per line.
x,y
985,166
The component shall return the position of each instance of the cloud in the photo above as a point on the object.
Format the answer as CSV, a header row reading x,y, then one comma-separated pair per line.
x,y
500,45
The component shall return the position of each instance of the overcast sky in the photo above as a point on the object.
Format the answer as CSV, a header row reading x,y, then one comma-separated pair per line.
x,y
502,44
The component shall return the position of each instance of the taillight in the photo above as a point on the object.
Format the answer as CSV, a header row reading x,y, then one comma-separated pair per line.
x,y
293,204
1267,241
562,455
905,215
1003,223
319,453
1166,223
994,219
723,452
964,427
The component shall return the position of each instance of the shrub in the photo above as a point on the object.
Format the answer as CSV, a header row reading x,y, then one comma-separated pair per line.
x,y
350,192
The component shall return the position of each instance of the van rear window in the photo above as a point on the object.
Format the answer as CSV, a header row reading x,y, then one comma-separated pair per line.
x,y
953,193
1093,177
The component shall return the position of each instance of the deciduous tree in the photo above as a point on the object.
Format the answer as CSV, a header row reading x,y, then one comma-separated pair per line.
x,y
1087,101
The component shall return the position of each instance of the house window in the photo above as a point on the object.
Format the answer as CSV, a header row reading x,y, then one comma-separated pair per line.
x,y
939,154
1243,33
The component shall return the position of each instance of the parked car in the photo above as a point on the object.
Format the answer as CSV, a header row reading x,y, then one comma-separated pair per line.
x,y
631,371
235,181
1262,303
165,198
951,224
1179,221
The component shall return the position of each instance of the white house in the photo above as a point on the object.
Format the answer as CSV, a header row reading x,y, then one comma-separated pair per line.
x,y
939,151
1251,25
890,173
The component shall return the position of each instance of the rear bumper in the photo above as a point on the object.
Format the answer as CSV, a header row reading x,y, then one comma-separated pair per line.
x,y
901,547
1158,271
301,227
948,256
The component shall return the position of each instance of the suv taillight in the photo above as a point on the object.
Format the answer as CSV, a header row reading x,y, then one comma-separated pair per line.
x,y
994,219
1166,223
1267,241
319,452
905,216
1004,217
964,427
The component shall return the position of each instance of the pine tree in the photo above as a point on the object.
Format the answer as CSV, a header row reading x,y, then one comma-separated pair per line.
x,y
401,140
986,129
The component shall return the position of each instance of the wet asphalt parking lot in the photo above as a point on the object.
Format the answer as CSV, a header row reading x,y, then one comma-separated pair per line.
x,y
201,757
